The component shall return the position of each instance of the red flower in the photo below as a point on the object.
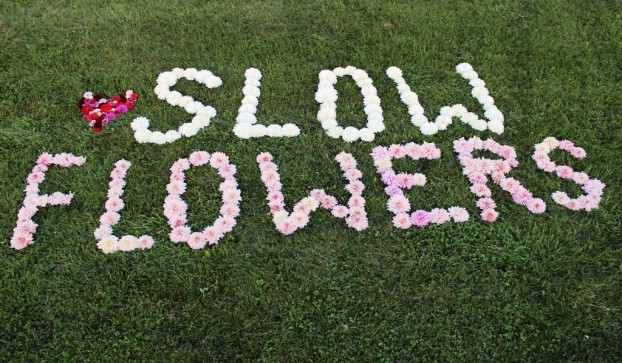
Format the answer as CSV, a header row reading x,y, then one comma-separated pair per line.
x,y
86,110
93,116
106,108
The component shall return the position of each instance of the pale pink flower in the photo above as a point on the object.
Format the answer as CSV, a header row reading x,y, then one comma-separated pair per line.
x,y
340,211
65,160
388,177
461,146
397,151
299,219
177,220
114,204
355,187
356,222
509,184
459,214
536,206
116,183
118,173
540,156
180,234
594,186
176,187
392,190
227,170
123,164
481,190
199,158
218,160
564,172
286,227
560,198
264,157
356,201
405,180
419,179
43,200
402,221
328,202
32,200
45,159
145,242
522,196
477,143
104,230
497,177
32,189
228,184
507,152
578,152
277,206
110,218
573,205
492,145
566,145
229,209
27,227
413,150
590,204
501,166
232,196
115,192
439,216
486,203
580,177
353,174
177,176
269,176
197,240
21,240
276,196
318,194
398,204
108,244
478,178
39,168
174,207
264,168
26,212
420,218
357,212
346,160
78,160
225,223
35,178
547,166
180,166
489,215
485,165
378,152
128,243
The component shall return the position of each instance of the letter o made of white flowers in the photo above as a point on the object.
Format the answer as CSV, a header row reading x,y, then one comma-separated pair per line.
x,y
326,96
202,114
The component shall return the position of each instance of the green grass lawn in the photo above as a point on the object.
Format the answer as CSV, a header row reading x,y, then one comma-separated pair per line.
x,y
525,288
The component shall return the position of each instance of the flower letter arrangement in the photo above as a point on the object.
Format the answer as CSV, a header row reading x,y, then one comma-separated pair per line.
x,y
477,170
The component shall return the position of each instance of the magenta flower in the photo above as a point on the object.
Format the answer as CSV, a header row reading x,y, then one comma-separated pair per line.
x,y
420,218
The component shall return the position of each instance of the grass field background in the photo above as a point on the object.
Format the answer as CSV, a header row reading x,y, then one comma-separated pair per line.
x,y
526,288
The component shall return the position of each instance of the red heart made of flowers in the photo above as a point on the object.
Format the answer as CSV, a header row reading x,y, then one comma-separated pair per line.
x,y
99,110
